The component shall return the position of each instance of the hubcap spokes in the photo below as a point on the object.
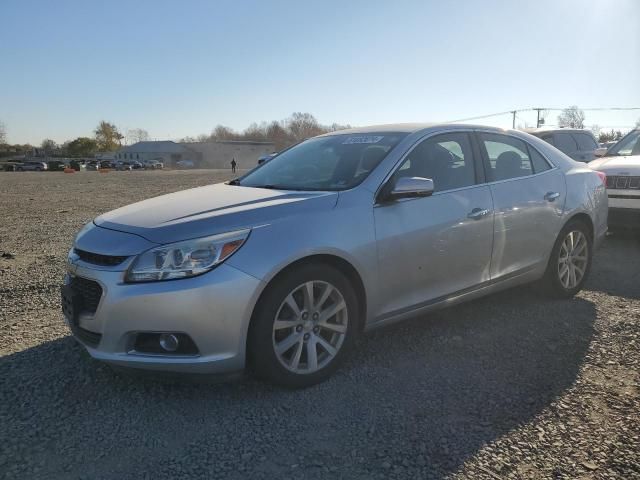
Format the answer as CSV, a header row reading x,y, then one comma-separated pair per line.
x,y
573,258
310,327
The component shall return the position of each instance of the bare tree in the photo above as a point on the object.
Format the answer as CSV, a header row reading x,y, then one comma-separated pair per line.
x,y
571,117
304,125
3,133
48,145
136,135
223,133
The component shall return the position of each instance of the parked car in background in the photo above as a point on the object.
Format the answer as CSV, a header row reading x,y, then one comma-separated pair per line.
x,y
603,147
622,167
267,157
578,144
185,164
32,166
128,165
105,164
56,165
11,166
152,164
343,233
92,165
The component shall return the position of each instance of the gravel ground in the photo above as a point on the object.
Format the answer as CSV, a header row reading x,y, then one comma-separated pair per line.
x,y
510,386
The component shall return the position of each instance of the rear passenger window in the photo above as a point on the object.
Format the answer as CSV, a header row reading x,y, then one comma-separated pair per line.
x,y
540,164
446,159
548,139
508,156
585,142
565,143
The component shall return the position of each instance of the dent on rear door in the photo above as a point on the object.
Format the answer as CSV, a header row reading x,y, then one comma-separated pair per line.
x,y
526,224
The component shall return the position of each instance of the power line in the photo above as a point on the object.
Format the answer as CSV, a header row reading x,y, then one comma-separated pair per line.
x,y
513,112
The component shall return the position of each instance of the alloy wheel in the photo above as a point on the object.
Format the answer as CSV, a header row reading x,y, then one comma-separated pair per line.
x,y
573,259
310,327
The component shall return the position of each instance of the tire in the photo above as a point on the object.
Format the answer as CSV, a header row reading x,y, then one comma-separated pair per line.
x,y
555,280
293,367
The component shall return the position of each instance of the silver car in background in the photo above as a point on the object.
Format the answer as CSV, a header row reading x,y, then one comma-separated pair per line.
x,y
281,269
579,144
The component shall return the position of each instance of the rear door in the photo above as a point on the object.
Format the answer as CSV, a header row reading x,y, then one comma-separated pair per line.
x,y
431,247
528,197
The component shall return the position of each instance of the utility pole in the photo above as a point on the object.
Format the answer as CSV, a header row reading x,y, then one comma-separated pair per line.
x,y
538,119
513,123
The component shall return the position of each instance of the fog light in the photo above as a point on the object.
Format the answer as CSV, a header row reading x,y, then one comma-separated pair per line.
x,y
169,342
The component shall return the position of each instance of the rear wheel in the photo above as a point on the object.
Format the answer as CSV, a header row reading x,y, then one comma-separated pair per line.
x,y
570,260
303,326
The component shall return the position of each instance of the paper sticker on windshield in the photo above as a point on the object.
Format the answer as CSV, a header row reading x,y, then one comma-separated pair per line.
x,y
363,139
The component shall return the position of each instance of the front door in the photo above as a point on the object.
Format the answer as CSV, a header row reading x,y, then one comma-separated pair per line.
x,y
432,247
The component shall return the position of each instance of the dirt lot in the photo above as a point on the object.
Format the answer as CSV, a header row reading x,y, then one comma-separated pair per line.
x,y
511,386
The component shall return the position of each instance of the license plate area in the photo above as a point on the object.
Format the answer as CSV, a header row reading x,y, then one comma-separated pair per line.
x,y
71,304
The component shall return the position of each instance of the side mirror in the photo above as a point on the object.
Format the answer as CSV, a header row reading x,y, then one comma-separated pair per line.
x,y
410,187
600,152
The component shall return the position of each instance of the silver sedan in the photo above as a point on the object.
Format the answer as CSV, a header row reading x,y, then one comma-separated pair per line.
x,y
281,269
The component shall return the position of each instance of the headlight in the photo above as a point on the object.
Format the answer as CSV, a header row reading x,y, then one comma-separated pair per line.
x,y
185,259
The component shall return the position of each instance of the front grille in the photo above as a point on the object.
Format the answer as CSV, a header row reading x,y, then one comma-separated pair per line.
x,y
623,182
98,259
90,291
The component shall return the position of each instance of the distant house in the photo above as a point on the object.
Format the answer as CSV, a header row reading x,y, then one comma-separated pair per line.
x,y
167,152
202,154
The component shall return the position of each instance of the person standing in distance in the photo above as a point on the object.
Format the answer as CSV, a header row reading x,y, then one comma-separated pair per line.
x,y
233,165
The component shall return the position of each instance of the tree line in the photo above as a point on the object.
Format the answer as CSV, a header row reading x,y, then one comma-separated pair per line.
x,y
108,138
282,133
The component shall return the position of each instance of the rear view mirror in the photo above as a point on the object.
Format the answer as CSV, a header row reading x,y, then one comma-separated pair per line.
x,y
411,187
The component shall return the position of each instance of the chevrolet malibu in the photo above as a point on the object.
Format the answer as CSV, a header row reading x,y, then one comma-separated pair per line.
x,y
281,269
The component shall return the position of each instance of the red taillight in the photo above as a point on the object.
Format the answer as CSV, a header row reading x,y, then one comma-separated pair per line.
x,y
603,177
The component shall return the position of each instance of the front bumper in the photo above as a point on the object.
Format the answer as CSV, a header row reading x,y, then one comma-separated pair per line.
x,y
624,209
214,309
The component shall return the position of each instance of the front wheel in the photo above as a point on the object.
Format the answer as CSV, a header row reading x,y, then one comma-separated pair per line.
x,y
570,260
303,326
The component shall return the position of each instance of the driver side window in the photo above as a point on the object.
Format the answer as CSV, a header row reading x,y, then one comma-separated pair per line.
x,y
446,159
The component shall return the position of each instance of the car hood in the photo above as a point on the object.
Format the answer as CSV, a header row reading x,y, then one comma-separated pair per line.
x,y
210,210
617,165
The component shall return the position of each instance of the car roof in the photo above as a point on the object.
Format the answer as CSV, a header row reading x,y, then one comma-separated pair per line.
x,y
411,128
537,131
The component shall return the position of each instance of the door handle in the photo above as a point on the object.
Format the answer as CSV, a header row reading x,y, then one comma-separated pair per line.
x,y
551,196
478,213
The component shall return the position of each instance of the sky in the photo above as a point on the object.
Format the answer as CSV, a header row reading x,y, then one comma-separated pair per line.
x,y
179,68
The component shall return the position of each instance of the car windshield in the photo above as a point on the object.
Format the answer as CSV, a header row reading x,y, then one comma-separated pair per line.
x,y
335,162
628,145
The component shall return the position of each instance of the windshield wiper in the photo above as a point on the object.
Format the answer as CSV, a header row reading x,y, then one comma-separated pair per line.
x,y
235,181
